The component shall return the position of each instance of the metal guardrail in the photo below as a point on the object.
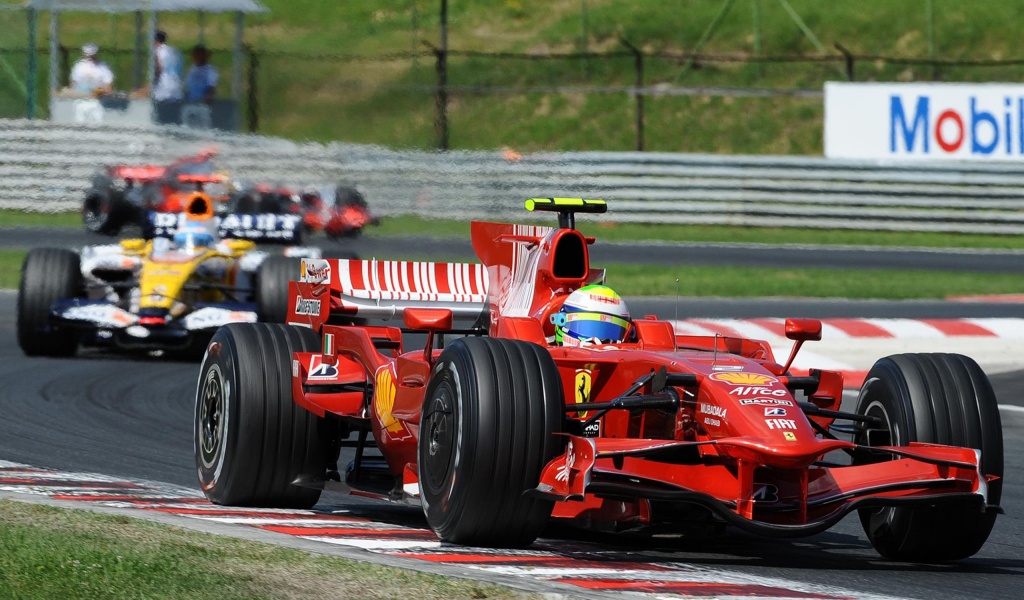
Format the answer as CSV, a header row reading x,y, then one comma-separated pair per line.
x,y
46,167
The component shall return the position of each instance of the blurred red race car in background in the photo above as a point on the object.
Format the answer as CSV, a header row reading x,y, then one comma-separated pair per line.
x,y
124,194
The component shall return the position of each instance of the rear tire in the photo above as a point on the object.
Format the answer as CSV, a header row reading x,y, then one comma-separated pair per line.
x,y
251,439
105,212
942,399
47,275
272,287
489,419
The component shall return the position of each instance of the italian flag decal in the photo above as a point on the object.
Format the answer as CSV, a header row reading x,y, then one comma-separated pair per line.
x,y
329,344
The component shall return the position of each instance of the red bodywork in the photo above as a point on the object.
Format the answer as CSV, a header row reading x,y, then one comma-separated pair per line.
x,y
178,181
740,445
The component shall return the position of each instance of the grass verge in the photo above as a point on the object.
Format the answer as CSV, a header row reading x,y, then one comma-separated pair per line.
x,y
20,218
749,282
48,552
629,232
644,280
10,268
632,232
306,89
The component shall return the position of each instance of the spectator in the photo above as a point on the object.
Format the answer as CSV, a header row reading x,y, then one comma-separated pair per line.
x,y
168,70
201,81
89,76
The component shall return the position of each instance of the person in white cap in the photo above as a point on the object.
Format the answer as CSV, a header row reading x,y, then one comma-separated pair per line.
x,y
90,76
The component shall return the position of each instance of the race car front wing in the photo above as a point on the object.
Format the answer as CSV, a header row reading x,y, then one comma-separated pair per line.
x,y
763,500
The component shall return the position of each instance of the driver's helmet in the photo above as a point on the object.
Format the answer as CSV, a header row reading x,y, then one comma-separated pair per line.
x,y
593,314
198,229
193,234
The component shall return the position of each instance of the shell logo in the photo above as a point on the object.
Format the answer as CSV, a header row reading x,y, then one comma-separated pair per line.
x,y
385,402
743,378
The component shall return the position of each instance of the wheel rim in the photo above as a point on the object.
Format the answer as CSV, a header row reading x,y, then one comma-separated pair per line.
x,y
439,439
211,417
876,409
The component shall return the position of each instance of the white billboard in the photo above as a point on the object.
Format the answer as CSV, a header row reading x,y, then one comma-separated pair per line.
x,y
932,121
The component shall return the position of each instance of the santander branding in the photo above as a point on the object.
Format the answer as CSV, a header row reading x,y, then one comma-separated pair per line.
x,y
315,271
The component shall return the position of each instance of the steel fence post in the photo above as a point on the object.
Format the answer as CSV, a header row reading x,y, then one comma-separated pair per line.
x,y
30,79
253,112
638,93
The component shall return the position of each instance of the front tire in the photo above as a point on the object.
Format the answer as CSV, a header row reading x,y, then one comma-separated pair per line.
x,y
489,419
47,275
942,399
251,439
272,287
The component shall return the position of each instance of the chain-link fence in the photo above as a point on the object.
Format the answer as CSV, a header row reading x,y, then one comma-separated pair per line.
x,y
624,98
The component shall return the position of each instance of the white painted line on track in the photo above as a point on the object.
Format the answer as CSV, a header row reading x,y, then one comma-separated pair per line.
x,y
294,522
374,544
1011,408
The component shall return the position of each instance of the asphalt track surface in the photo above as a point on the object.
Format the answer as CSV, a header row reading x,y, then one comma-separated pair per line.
x,y
111,414
639,252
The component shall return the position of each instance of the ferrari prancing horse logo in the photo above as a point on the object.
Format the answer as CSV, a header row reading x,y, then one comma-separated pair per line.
x,y
584,381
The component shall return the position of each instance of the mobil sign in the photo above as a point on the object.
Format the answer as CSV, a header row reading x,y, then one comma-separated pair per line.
x,y
931,121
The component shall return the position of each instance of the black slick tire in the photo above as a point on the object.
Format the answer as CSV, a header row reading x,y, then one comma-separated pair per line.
x,y
106,212
47,275
272,287
490,415
251,439
942,399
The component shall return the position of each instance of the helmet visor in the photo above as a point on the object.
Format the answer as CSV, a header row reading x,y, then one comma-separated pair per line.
x,y
595,327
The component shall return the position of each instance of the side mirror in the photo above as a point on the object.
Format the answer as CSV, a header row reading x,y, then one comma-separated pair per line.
x,y
427,319
431,320
803,330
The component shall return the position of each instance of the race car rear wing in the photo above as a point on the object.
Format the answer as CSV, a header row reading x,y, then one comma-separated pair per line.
x,y
264,228
384,289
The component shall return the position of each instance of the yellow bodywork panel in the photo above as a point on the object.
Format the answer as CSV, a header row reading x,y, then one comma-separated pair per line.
x,y
165,275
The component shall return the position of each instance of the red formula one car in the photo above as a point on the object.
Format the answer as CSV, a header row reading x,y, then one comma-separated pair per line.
x,y
125,194
497,422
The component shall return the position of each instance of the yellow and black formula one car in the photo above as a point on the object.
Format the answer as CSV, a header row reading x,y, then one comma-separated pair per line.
x,y
170,292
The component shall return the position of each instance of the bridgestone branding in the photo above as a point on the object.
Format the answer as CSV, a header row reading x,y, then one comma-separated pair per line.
x,y
307,307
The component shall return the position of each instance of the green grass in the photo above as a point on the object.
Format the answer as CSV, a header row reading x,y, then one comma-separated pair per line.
x,y
805,283
10,268
649,280
392,103
629,232
47,553
19,218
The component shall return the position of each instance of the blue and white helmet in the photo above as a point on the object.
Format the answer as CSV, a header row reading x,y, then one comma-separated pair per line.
x,y
194,234
593,314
